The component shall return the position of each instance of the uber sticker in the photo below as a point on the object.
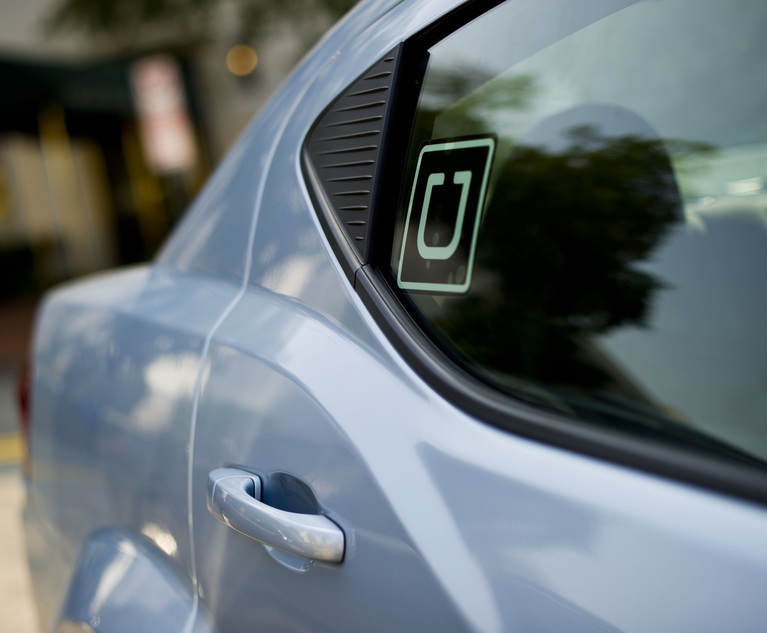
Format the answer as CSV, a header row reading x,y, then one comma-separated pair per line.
x,y
443,216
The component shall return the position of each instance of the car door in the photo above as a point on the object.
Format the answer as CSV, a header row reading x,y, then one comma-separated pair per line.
x,y
452,394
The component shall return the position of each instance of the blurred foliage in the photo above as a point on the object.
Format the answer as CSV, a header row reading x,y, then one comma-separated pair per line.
x,y
122,19
563,249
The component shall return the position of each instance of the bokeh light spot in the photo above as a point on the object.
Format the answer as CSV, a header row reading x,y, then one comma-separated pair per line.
x,y
241,60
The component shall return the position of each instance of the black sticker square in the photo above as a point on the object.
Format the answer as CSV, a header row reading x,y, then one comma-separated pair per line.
x,y
443,216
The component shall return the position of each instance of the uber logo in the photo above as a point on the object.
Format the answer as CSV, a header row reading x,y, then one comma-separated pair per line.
x,y
443,216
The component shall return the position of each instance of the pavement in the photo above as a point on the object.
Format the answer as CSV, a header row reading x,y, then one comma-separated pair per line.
x,y
17,615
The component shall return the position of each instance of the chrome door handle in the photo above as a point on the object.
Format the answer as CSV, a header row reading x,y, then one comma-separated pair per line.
x,y
234,497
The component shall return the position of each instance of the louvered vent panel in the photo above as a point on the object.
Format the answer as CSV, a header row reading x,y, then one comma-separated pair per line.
x,y
343,149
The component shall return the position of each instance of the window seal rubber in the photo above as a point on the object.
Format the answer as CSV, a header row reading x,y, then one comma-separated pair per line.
x,y
480,401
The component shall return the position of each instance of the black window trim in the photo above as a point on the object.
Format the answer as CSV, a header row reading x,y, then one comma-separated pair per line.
x,y
441,372
510,414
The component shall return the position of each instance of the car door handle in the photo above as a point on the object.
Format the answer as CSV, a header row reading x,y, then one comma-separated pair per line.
x,y
234,497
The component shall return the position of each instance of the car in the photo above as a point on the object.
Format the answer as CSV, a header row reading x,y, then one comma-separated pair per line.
x,y
465,334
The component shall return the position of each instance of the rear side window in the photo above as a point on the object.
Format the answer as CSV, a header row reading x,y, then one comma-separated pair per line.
x,y
583,220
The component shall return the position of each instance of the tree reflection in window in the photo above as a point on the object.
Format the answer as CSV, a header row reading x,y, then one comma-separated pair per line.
x,y
581,203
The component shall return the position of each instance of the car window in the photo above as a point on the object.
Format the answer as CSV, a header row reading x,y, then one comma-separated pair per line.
x,y
583,220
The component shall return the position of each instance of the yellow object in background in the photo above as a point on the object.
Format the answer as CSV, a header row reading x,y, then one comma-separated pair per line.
x,y
12,448
241,60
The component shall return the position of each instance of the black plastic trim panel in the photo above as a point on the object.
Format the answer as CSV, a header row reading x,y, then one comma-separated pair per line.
x,y
341,156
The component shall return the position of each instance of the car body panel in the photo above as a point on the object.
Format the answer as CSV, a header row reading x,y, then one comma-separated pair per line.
x,y
214,236
116,366
310,345
124,583
406,474
245,345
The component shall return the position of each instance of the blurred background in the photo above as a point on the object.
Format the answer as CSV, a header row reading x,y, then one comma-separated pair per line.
x,y
113,113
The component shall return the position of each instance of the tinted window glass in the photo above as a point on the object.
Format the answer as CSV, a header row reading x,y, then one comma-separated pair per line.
x,y
583,223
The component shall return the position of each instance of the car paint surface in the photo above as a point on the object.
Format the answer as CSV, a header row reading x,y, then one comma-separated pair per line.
x,y
245,346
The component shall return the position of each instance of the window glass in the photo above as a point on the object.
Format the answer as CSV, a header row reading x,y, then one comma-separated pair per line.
x,y
583,222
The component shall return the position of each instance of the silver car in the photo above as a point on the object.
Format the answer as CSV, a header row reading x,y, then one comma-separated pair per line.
x,y
466,334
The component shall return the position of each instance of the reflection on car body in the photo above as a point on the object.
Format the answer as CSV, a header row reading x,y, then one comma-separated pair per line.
x,y
464,335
